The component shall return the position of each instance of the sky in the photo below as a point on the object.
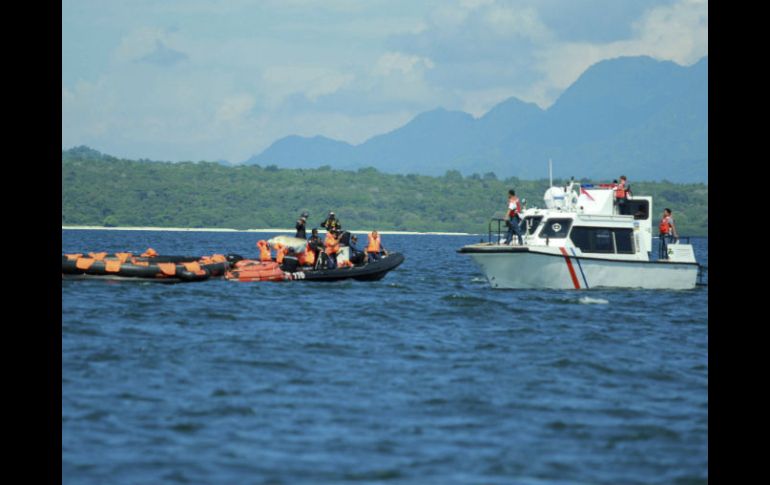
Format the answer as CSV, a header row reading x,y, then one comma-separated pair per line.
x,y
214,80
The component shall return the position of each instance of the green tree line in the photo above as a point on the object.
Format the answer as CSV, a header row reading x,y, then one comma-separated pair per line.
x,y
101,190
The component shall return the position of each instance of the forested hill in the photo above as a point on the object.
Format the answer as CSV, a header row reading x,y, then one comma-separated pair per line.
x,y
106,191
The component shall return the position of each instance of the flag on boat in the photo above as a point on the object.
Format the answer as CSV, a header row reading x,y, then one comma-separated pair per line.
x,y
585,192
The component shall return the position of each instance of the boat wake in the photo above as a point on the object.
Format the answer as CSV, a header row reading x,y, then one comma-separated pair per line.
x,y
587,300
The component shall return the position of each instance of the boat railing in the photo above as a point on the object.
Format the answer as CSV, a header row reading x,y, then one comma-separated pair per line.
x,y
679,240
703,275
499,233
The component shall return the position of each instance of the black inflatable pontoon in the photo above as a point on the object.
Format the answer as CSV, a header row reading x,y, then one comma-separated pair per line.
x,y
160,272
366,272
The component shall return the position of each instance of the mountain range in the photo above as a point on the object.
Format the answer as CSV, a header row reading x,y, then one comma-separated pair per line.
x,y
636,116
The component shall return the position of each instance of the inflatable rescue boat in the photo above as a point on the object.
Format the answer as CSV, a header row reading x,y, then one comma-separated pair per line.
x,y
147,267
252,270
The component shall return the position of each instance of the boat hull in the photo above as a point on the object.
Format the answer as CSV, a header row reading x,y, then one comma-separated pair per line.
x,y
368,272
556,268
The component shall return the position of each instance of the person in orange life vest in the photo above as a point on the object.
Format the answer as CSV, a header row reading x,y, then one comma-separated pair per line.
x,y
513,218
280,252
332,246
264,250
667,232
306,257
622,190
375,247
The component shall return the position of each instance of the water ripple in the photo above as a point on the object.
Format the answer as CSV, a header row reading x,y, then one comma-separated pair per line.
x,y
427,376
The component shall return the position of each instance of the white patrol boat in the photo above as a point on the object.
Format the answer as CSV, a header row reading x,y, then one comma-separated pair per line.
x,y
581,241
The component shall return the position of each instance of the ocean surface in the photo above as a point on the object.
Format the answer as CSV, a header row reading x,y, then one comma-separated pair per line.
x,y
425,377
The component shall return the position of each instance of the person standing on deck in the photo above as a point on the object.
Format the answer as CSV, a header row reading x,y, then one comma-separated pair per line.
x,y
331,223
513,218
301,233
374,248
622,190
667,233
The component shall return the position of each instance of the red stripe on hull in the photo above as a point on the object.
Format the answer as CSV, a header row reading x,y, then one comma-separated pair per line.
x,y
571,269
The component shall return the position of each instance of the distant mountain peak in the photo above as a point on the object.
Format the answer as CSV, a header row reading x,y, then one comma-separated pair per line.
x,y
635,114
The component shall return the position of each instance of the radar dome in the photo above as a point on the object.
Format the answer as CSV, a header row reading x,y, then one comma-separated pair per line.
x,y
554,198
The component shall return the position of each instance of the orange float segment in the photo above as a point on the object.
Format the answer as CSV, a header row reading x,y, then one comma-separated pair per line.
x,y
150,253
193,267
84,263
168,269
112,265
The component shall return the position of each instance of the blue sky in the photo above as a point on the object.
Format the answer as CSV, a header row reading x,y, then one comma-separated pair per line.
x,y
210,80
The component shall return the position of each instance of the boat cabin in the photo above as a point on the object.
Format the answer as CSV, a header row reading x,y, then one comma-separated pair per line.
x,y
586,217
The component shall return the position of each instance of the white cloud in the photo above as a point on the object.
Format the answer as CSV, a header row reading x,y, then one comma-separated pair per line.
x,y
234,108
505,21
311,82
137,44
677,32
398,62
454,15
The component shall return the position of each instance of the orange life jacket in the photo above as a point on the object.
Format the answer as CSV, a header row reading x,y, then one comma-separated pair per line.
x,y
280,252
307,258
264,251
374,244
516,210
664,226
620,191
331,244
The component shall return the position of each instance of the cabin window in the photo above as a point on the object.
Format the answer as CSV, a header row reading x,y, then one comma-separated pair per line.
x,y
555,228
603,240
624,240
640,209
592,239
531,223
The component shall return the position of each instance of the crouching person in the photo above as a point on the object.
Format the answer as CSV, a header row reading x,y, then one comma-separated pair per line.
x,y
290,261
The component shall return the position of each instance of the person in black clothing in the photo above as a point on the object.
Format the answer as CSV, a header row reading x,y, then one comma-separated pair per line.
x,y
301,226
290,261
317,245
356,255
331,223
315,240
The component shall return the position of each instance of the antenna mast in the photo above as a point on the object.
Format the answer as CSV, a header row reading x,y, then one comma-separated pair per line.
x,y
550,173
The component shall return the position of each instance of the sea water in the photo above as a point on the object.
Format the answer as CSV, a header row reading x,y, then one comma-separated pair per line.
x,y
427,376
